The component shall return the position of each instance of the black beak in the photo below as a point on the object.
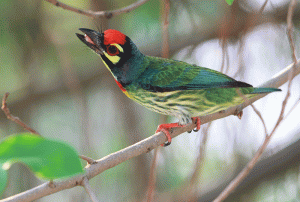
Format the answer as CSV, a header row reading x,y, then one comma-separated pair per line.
x,y
92,39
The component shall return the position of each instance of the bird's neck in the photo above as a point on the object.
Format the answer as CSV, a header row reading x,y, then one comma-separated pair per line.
x,y
129,68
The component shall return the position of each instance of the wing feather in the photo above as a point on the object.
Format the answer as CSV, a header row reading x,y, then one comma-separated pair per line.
x,y
164,75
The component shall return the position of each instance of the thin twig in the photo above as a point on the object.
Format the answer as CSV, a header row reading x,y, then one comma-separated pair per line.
x,y
98,14
87,159
281,116
89,190
5,109
242,39
152,176
263,7
153,169
238,179
261,118
291,74
144,146
293,107
234,183
165,31
255,110
227,59
192,187
241,50
290,28
224,54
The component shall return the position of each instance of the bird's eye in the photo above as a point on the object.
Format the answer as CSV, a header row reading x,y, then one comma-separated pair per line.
x,y
112,50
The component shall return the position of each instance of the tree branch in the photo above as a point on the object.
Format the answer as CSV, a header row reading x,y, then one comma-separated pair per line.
x,y
165,31
87,159
290,28
291,74
89,190
144,146
152,177
292,108
15,119
98,14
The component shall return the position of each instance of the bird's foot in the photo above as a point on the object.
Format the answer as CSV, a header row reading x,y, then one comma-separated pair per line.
x,y
165,128
239,114
197,121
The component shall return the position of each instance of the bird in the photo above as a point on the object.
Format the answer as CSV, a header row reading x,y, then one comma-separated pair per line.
x,y
166,86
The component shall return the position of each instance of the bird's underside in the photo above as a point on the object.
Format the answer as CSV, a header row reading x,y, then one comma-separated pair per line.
x,y
190,103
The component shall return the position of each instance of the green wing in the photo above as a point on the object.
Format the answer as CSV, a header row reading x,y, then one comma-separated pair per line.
x,y
163,75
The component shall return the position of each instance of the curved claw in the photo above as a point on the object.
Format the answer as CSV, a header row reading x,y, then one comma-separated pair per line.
x,y
197,122
165,129
166,144
167,133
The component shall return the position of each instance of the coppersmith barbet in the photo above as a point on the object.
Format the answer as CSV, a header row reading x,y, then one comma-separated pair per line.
x,y
166,86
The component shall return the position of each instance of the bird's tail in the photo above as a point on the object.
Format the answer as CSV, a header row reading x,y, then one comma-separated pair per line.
x,y
264,90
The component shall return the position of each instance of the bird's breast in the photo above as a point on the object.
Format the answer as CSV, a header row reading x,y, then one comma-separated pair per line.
x,y
123,89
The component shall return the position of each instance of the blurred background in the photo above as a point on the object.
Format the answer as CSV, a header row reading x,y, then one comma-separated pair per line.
x,y
62,89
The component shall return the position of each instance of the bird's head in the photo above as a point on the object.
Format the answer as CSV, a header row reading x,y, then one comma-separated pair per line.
x,y
117,51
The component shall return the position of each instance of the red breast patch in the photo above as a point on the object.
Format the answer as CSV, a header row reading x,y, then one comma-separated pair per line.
x,y
114,36
120,86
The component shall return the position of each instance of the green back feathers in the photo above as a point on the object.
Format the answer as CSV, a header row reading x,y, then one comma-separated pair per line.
x,y
163,75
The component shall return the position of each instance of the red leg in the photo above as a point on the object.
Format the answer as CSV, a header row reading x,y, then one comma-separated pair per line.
x,y
198,123
165,129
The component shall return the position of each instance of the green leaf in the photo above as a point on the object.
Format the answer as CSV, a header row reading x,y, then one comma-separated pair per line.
x,y
229,2
3,179
48,159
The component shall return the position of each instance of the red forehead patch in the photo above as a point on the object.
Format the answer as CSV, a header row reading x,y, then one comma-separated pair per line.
x,y
114,36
